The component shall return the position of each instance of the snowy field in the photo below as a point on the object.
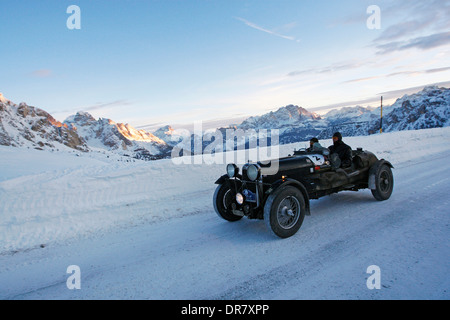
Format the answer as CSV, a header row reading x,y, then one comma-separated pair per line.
x,y
147,230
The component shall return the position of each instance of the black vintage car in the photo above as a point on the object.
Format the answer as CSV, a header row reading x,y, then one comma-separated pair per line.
x,y
279,191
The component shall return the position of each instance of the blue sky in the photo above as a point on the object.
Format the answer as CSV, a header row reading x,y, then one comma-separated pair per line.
x,y
158,62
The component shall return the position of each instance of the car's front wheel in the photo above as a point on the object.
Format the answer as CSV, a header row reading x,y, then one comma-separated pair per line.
x,y
284,211
222,201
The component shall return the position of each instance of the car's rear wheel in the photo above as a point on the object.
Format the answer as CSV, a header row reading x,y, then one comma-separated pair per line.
x,y
284,211
222,201
384,183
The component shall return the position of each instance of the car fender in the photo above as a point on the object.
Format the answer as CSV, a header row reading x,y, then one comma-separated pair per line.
x,y
225,177
373,171
291,182
222,179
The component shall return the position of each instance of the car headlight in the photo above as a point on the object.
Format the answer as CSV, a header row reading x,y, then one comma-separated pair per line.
x,y
253,172
239,198
232,170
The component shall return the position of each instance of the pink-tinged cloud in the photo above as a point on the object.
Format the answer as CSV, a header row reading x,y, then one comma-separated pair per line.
x,y
42,73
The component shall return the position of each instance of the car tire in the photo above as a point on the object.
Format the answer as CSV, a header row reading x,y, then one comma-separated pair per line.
x,y
284,211
384,183
222,200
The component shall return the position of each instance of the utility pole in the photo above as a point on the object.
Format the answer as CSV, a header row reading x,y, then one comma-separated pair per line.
x,y
381,118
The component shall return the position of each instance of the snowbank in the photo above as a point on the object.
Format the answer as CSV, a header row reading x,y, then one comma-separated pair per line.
x,y
47,197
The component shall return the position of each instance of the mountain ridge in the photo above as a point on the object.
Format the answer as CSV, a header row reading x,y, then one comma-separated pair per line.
x,y
107,134
26,126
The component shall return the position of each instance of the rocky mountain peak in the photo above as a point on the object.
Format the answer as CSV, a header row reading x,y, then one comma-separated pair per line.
x,y
3,99
23,125
81,118
118,137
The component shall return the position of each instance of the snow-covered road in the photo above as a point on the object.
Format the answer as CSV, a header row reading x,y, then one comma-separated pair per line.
x,y
200,256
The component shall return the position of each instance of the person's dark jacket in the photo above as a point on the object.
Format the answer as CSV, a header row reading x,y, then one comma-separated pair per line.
x,y
344,152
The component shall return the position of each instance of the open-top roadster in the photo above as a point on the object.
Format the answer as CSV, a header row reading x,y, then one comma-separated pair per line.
x,y
281,197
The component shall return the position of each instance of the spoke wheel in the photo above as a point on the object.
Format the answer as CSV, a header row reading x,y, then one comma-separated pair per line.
x,y
288,212
284,211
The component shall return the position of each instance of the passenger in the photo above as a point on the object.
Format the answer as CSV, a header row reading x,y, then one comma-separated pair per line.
x,y
313,145
343,151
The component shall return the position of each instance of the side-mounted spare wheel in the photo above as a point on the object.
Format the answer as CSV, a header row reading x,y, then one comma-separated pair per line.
x,y
222,200
381,180
284,211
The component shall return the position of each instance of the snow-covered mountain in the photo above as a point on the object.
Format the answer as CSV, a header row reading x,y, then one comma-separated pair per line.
x,y
429,108
293,122
3,99
169,135
22,125
26,126
284,118
345,114
105,134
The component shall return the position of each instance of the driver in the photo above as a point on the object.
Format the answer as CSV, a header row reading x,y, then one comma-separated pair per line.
x,y
344,151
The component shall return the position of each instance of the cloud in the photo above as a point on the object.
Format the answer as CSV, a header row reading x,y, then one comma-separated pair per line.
x,y
418,25
328,69
300,72
99,106
423,43
401,30
255,26
411,90
428,42
367,101
42,73
117,103
407,24
413,17
437,70
395,94
401,73
362,79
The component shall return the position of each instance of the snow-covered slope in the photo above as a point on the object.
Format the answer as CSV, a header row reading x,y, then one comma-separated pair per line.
x,y
46,197
147,230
